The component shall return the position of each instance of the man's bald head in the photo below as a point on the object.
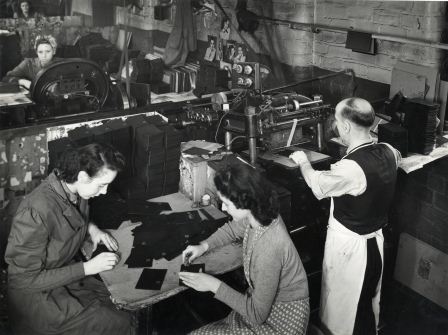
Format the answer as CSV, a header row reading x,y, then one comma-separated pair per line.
x,y
357,110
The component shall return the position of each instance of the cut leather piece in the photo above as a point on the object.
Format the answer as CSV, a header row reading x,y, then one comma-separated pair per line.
x,y
151,279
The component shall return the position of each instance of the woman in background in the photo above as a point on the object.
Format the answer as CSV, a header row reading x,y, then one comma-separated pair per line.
x,y
276,301
50,290
26,71
25,11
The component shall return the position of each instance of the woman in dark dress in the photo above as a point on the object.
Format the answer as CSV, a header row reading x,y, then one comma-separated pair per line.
x,y
50,291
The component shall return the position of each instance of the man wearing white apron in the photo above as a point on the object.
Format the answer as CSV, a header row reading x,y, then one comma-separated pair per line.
x,y
361,187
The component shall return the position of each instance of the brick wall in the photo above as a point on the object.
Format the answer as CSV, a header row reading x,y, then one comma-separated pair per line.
x,y
421,204
407,19
422,20
300,48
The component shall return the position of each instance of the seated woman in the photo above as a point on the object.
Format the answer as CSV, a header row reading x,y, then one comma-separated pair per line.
x,y
276,301
26,71
49,290
25,11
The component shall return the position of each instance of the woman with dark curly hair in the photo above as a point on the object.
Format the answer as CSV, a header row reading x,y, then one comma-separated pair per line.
x,y
51,290
276,301
25,11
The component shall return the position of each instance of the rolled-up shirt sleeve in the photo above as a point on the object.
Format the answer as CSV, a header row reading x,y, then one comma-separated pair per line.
x,y
344,177
26,253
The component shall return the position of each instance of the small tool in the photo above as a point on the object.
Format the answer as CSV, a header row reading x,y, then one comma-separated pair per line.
x,y
187,258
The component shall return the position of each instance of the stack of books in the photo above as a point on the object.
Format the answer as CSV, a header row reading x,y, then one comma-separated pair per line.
x,y
181,78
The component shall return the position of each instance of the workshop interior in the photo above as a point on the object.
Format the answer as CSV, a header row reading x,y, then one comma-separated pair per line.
x,y
182,88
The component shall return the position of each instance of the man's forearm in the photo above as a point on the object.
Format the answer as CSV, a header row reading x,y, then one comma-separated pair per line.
x,y
307,171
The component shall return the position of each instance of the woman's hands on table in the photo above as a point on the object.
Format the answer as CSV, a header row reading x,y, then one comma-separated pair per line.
x,y
99,236
106,260
102,262
194,251
200,281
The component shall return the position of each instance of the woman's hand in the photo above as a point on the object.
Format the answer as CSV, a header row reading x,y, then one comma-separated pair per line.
x,y
200,281
97,236
194,251
25,83
103,262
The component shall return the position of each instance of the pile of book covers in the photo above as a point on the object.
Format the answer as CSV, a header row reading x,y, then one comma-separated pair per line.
x,y
421,122
181,78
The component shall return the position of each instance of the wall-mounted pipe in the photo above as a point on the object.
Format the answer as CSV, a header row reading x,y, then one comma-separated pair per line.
x,y
317,28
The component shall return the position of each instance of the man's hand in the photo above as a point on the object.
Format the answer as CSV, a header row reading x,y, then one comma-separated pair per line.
x,y
200,281
97,236
299,157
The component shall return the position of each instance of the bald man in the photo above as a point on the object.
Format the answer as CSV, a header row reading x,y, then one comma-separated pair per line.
x,y
361,187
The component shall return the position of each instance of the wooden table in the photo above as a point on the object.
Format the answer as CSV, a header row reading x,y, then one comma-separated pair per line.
x,y
121,280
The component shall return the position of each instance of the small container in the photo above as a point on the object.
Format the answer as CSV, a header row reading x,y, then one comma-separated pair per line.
x,y
205,200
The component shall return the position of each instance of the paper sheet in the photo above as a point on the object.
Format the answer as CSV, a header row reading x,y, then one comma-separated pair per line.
x,y
12,99
208,146
416,161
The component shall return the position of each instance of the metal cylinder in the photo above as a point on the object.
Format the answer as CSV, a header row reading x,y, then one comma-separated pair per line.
x,y
251,132
228,140
253,150
251,121
320,136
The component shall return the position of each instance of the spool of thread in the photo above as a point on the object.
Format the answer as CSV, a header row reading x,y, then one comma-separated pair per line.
x,y
205,200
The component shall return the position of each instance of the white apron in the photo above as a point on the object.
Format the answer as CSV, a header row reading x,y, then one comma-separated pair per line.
x,y
344,265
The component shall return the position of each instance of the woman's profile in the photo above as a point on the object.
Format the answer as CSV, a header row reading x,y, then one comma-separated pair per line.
x,y
276,301
50,289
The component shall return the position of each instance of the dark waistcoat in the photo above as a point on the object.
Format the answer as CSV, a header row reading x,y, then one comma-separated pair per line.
x,y
367,212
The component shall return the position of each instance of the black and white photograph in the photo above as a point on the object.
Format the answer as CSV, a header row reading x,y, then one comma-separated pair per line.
x,y
229,51
240,53
232,167
211,51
